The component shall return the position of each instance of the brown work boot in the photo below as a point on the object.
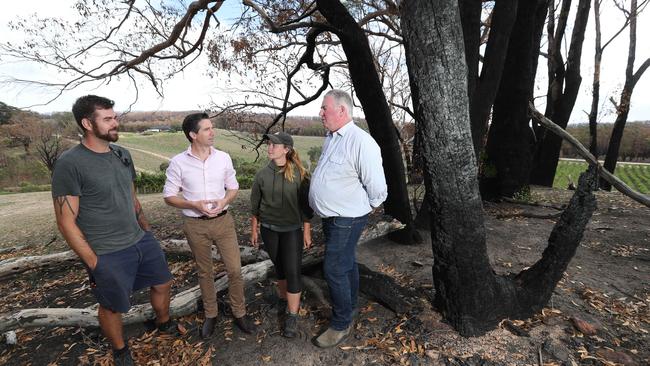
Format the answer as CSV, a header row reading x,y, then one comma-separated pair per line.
x,y
332,337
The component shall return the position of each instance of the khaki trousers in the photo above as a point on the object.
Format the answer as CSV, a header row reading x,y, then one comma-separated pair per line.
x,y
220,231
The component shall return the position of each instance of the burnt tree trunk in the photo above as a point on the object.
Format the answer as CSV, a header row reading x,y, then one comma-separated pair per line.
x,y
623,107
564,84
468,293
510,139
369,90
482,88
595,86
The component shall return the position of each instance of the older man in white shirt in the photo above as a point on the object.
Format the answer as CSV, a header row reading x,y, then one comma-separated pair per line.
x,y
348,183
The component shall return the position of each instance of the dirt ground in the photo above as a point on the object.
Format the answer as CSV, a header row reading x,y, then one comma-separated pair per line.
x,y
607,285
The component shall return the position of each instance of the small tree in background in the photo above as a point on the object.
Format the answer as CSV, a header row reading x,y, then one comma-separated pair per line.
x,y
50,144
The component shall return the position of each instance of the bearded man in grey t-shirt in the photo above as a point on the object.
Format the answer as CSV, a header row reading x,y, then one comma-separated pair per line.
x,y
101,219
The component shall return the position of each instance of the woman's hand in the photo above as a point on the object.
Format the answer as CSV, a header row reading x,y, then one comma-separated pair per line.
x,y
254,234
254,237
306,236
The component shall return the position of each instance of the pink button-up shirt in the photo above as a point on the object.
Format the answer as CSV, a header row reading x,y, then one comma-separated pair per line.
x,y
200,180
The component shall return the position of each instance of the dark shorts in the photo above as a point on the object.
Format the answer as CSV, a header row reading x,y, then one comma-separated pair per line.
x,y
120,273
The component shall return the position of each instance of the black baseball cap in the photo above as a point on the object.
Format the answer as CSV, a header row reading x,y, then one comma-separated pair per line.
x,y
279,138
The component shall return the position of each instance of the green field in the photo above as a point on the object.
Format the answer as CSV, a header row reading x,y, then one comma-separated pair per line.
x,y
635,176
150,151
169,144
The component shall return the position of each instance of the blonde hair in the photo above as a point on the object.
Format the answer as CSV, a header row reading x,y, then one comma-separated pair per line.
x,y
293,162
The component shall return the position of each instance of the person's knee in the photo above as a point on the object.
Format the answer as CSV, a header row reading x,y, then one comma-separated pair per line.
x,y
202,272
109,316
162,288
335,277
234,275
334,267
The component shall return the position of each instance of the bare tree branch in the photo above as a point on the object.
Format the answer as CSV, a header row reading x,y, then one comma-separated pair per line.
x,y
640,71
584,152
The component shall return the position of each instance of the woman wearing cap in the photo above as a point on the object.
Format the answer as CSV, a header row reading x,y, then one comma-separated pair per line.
x,y
279,204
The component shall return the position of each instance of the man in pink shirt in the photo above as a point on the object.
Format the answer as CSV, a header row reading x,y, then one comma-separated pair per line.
x,y
206,180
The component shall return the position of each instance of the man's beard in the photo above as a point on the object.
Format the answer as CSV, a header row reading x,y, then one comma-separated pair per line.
x,y
106,136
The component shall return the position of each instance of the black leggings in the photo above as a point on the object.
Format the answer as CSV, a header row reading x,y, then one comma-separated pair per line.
x,y
285,251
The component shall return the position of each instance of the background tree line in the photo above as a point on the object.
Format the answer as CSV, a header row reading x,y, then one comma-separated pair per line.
x,y
635,144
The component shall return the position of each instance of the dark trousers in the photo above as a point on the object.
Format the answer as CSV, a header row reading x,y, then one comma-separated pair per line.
x,y
285,251
340,266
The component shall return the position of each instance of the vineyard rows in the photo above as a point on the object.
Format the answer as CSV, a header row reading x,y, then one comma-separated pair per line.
x,y
635,176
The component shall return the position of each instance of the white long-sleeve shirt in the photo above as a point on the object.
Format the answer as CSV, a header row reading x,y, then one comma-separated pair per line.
x,y
200,180
349,178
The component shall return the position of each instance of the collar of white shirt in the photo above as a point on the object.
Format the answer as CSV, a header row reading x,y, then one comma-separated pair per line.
x,y
189,152
341,131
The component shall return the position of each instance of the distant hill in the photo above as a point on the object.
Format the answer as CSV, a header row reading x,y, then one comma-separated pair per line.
x,y
6,111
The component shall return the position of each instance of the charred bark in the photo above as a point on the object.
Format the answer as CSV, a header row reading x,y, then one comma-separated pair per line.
x,y
482,88
563,87
386,291
509,148
423,218
623,107
468,293
595,85
370,93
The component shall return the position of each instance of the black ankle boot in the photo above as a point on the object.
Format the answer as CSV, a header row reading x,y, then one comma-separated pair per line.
x,y
208,327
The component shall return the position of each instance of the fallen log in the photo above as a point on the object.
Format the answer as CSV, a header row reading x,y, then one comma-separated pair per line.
x,y
248,254
530,215
317,288
13,249
536,204
13,266
386,291
183,303
9,267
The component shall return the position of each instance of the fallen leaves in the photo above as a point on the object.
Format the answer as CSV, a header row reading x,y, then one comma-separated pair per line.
x,y
583,326
400,278
155,349
614,357
632,313
627,250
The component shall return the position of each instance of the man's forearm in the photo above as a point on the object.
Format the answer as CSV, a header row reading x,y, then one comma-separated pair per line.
x,y
180,202
139,215
66,210
230,195
78,243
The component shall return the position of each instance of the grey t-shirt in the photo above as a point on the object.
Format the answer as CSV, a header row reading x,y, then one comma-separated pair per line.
x,y
102,181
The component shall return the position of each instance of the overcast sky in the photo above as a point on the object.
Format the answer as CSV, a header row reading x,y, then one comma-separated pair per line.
x,y
203,90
